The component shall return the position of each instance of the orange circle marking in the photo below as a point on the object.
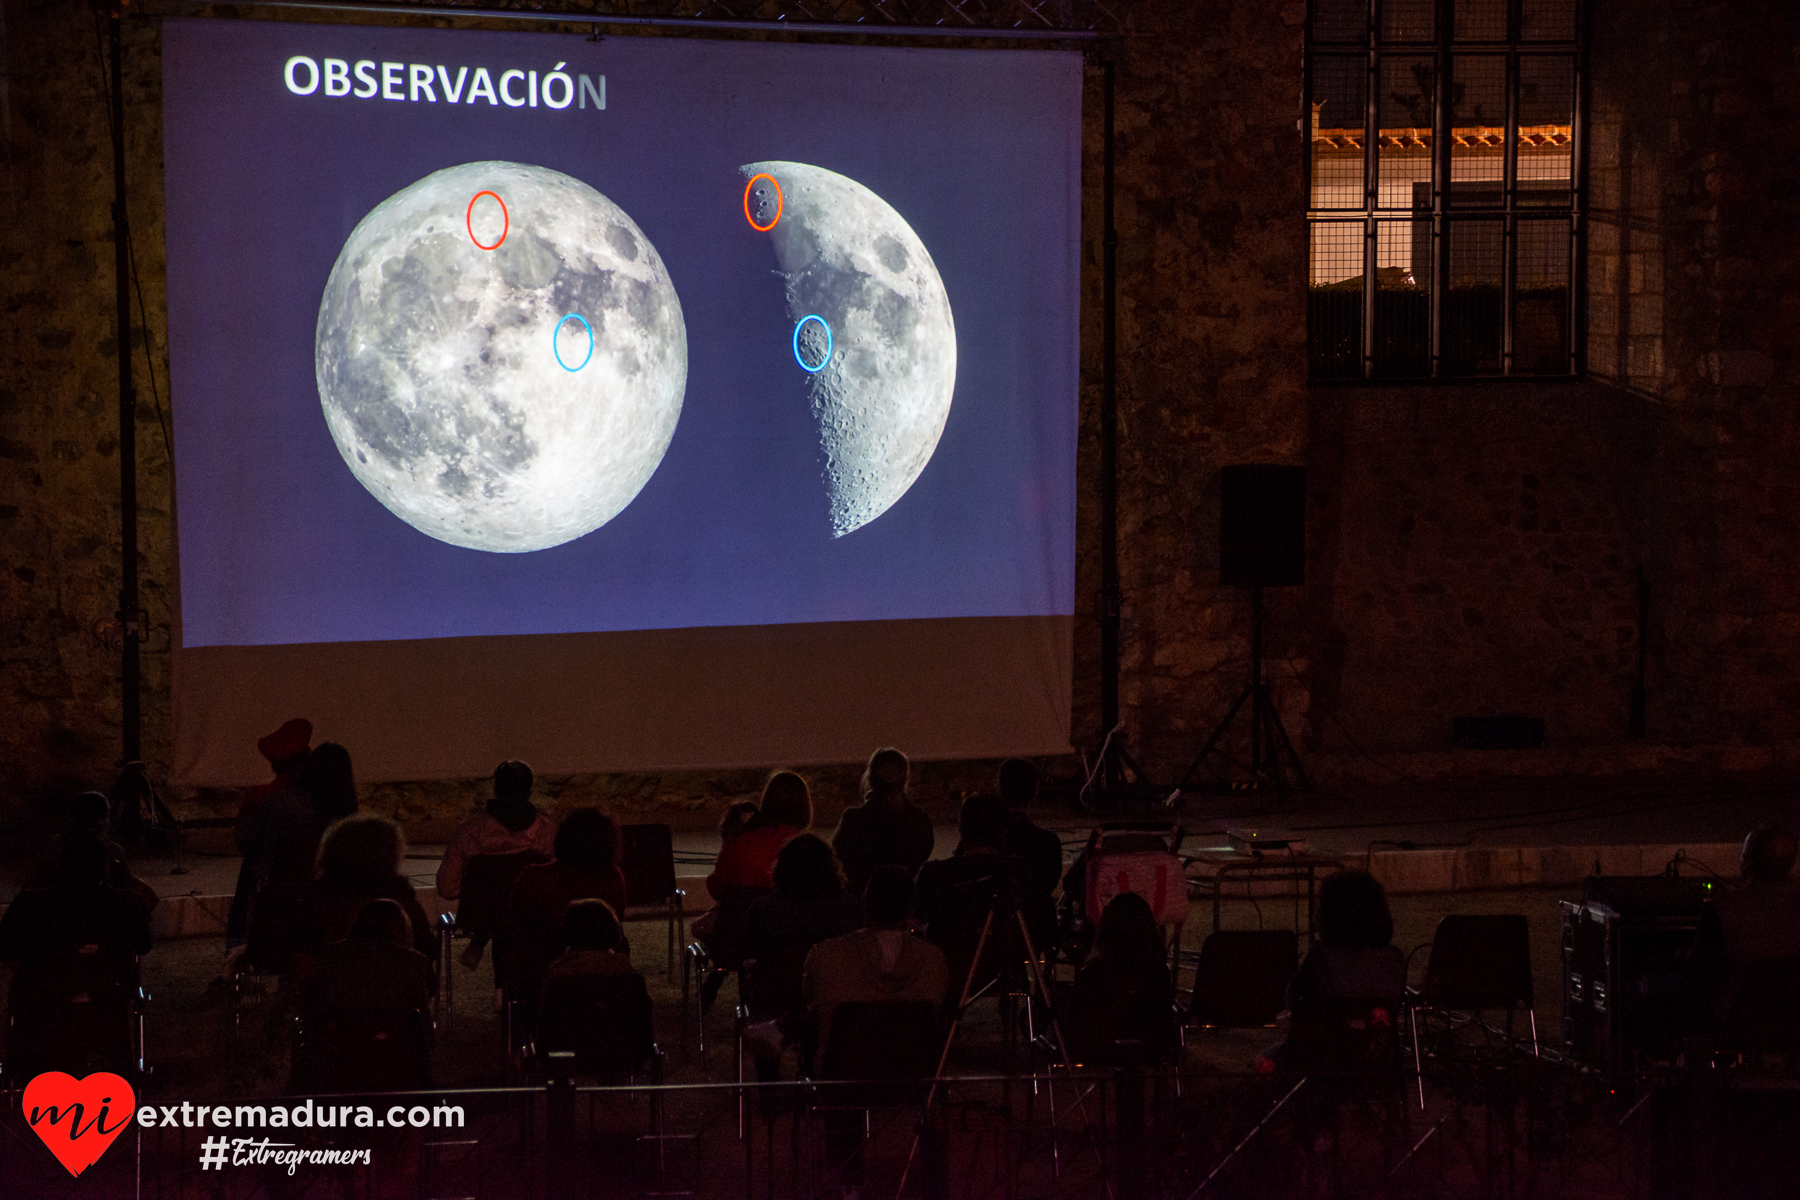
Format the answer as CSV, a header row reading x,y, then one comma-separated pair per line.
x,y
776,184
505,220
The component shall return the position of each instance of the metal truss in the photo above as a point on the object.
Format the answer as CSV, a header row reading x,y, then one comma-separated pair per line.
x,y
1029,18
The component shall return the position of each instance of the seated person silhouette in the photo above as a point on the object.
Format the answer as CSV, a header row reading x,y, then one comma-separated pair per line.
x,y
1758,923
364,1005
744,869
75,946
809,904
508,823
596,943
886,827
1122,992
277,825
1039,851
1355,957
881,961
359,861
953,897
586,868
375,968
878,962
90,811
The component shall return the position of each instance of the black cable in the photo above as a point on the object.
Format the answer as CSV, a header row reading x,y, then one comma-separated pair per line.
x,y
137,281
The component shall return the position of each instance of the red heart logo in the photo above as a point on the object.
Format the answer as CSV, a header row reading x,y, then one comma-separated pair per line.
x,y
79,1118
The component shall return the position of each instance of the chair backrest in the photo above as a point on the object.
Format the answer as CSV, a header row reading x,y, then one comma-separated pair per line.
x,y
1479,962
281,925
71,1011
1134,837
602,1023
1241,979
728,943
487,882
1136,860
647,857
891,1045
772,980
1345,1034
362,1050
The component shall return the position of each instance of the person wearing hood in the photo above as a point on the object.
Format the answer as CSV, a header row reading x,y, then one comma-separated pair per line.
x,y
506,824
277,828
878,962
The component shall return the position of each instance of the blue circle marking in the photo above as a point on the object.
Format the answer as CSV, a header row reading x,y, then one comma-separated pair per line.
x,y
554,349
797,356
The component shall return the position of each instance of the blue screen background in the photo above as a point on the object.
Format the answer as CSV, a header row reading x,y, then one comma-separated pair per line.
x,y
978,150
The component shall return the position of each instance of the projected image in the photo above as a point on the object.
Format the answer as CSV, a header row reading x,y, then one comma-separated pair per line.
x,y
501,356
541,335
872,330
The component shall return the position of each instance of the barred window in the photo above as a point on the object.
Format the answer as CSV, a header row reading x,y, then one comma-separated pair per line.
x,y
1445,188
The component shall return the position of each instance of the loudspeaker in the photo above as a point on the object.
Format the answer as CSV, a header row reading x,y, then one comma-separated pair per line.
x,y
1262,526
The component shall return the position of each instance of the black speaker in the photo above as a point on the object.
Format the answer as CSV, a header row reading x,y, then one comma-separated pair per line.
x,y
1262,526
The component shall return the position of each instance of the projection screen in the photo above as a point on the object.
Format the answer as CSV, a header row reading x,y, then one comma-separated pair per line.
x,y
622,404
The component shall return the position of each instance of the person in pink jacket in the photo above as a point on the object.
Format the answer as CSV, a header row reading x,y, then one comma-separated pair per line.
x,y
504,825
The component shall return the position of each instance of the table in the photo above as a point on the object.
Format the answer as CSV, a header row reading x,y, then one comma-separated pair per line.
x,y
1268,866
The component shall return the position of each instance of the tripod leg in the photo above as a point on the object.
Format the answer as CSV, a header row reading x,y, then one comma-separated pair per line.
x,y
987,928
1187,776
1280,743
1037,977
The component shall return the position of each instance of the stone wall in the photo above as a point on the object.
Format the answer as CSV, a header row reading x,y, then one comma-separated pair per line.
x,y
1472,548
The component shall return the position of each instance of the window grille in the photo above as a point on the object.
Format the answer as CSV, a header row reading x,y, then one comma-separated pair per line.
x,y
1444,172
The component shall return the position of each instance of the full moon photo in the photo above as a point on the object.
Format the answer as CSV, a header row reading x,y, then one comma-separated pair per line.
x,y
501,357
873,334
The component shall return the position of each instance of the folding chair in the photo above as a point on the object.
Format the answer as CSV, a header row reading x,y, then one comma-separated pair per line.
x,y
1241,978
772,988
599,1025
481,910
361,1050
648,861
76,1011
885,1052
1141,857
1477,964
724,949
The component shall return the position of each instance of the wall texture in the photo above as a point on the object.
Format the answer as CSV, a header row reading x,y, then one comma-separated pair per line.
x,y
1471,549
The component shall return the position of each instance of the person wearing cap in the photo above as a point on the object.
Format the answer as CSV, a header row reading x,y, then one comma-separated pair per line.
x,y
277,827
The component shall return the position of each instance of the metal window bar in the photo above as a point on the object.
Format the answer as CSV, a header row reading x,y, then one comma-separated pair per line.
x,y
1394,31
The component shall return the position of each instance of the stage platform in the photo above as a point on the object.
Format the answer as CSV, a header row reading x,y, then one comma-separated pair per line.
x,y
1416,838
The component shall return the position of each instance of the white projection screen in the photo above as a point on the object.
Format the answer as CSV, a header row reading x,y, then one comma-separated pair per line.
x,y
644,403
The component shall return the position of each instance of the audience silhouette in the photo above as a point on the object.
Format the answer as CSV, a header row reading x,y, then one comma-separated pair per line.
x,y
886,827
277,827
359,860
1122,993
881,961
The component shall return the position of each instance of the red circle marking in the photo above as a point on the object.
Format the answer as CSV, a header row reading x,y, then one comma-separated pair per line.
x,y
778,202
505,220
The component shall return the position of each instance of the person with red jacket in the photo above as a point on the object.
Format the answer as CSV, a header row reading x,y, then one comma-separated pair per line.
x,y
748,860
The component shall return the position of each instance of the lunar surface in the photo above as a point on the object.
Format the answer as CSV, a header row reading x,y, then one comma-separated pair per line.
x,y
453,380
882,397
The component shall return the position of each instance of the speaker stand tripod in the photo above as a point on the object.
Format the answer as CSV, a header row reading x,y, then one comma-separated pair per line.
x,y
1273,763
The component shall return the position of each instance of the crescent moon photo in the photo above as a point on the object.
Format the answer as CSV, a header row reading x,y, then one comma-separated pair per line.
x,y
873,331
501,357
